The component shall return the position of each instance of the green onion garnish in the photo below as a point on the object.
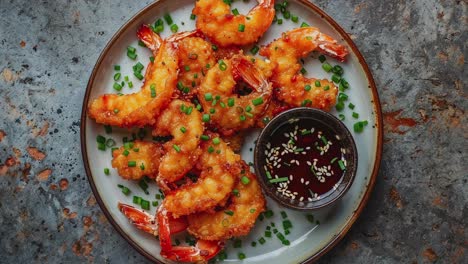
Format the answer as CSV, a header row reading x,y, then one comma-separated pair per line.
x,y
262,241
341,164
282,179
317,83
245,180
177,148
174,28
307,87
241,28
208,97
327,67
193,16
355,115
235,12
183,129
168,19
117,87
206,118
295,19
231,102
210,149
132,163
241,256
268,213
222,65
326,87
254,50
304,24
117,67
229,212
257,101
153,90
205,137
216,140
106,171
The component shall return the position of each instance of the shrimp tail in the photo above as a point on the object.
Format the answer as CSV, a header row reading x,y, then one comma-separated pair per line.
x,y
146,222
333,50
201,252
250,74
151,40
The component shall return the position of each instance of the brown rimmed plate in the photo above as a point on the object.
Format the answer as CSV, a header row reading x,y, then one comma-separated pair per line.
x,y
309,240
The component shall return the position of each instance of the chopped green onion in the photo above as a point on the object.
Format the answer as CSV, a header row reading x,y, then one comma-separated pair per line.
x,y
100,139
327,67
326,87
295,19
236,192
156,203
342,117
235,12
231,102
241,256
333,160
229,212
206,118
145,205
268,174
110,142
117,87
355,115
253,244
307,87
137,200
287,224
117,67
322,58
303,71
241,28
222,65
252,210
304,24
130,84
340,106
336,78
117,76
106,171
183,129
242,118
142,166
174,28
193,16
177,148
267,233
280,21
138,75
205,137
245,180
317,83
216,140
351,106
208,97
284,215
257,101
210,149
168,19
282,179
268,213
132,163
287,15
153,90
337,69
254,50
306,102
187,68
262,241
341,164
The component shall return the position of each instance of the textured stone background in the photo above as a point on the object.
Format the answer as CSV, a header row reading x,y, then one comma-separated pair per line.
x,y
416,50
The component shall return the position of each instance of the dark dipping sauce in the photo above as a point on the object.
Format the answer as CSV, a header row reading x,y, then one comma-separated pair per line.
x,y
304,160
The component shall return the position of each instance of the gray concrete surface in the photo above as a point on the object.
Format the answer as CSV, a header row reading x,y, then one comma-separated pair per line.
x,y
416,50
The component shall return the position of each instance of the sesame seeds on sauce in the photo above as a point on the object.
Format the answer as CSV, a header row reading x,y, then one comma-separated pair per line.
x,y
304,162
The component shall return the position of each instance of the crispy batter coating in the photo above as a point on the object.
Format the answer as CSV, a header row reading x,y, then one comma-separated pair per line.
x,y
141,108
230,112
235,141
196,56
183,150
220,168
237,219
215,20
289,83
145,155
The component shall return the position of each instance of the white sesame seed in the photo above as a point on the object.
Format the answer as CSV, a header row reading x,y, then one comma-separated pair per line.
x,y
309,163
307,183
302,198
302,180
310,199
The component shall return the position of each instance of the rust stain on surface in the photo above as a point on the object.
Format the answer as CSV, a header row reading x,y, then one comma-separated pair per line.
x,y
2,135
63,183
69,215
91,201
392,122
9,76
23,43
439,202
82,247
35,153
44,175
359,7
3,170
430,255
43,131
395,197
11,161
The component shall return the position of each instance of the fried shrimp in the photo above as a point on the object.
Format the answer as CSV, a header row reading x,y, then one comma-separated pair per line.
x,y
195,54
238,218
226,110
292,87
219,167
215,20
137,159
141,108
182,121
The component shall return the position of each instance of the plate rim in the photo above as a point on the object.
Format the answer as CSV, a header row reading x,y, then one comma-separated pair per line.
x,y
378,118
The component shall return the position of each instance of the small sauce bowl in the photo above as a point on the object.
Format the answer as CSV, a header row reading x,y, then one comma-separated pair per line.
x,y
305,159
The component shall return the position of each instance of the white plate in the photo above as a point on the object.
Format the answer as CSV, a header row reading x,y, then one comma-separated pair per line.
x,y
308,241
